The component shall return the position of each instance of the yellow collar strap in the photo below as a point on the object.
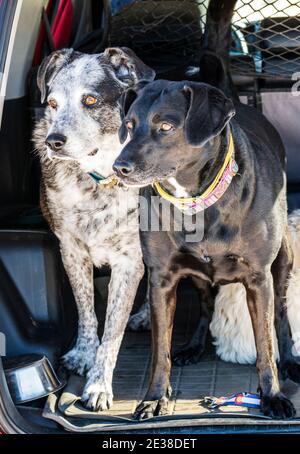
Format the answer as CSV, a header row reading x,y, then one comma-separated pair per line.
x,y
213,193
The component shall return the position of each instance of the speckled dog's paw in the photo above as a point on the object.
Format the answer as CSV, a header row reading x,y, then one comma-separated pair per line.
x,y
97,395
81,358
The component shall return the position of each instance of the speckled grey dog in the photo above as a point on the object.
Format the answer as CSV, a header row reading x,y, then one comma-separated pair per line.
x,y
78,136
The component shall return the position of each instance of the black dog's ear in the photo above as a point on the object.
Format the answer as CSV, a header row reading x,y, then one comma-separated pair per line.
x,y
129,96
128,67
208,113
49,67
125,101
123,132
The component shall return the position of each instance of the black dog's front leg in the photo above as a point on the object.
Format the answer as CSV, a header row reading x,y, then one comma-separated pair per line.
x,y
163,303
191,352
289,365
260,299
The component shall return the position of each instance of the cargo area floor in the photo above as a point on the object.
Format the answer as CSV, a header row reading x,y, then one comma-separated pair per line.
x,y
210,377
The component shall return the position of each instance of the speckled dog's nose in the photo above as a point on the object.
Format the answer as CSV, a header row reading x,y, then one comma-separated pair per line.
x,y
56,141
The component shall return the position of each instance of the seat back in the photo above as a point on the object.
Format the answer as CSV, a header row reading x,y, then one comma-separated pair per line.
x,y
283,111
165,34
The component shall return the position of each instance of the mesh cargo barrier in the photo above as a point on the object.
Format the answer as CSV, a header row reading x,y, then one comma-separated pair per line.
x,y
268,32
164,33
168,33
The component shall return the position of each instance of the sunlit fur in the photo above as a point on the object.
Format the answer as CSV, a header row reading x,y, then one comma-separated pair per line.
x,y
231,325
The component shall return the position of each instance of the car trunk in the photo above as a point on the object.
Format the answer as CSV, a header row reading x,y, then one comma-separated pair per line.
x,y
210,377
38,313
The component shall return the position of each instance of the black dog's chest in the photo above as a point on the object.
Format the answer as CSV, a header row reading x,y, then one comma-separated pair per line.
x,y
217,269
217,261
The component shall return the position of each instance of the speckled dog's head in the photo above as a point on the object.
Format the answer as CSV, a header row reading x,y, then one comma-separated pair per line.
x,y
82,92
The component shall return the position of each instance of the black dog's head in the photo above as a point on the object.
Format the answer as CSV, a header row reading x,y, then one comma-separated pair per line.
x,y
169,124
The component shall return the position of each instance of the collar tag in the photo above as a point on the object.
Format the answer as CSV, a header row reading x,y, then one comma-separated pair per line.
x,y
103,182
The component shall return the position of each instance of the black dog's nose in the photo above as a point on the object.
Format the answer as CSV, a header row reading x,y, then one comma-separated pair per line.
x,y
123,168
56,141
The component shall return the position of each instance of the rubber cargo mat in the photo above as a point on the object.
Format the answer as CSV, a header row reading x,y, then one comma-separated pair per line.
x,y
210,377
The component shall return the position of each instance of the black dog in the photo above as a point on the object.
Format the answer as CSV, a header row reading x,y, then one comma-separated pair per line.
x,y
181,130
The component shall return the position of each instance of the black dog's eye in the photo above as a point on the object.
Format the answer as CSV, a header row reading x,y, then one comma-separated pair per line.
x,y
166,127
89,100
129,124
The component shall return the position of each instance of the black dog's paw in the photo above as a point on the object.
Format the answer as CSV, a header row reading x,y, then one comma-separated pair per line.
x,y
187,355
150,408
290,370
277,407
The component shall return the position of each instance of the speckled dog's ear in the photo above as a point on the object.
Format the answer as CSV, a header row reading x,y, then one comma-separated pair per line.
x,y
49,67
128,68
209,110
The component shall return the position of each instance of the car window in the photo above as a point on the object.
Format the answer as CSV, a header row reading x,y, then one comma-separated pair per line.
x,y
7,10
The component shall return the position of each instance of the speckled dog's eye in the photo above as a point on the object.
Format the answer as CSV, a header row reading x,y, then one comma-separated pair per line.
x,y
89,100
166,127
129,124
52,103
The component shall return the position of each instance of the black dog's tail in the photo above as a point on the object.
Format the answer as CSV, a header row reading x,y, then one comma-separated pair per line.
x,y
217,36
214,63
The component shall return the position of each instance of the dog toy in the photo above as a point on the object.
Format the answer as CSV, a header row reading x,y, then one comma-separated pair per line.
x,y
239,399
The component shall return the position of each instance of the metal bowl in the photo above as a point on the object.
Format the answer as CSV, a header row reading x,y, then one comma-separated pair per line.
x,y
30,377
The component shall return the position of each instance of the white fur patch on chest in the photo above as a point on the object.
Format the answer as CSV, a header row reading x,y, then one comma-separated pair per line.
x,y
106,220
179,191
